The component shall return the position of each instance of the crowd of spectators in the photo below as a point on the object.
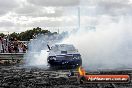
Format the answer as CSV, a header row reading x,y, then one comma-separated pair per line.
x,y
12,45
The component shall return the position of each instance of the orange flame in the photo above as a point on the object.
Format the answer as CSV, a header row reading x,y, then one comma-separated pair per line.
x,y
81,71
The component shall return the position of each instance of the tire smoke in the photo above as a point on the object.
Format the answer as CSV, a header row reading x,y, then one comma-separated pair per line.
x,y
108,45
38,51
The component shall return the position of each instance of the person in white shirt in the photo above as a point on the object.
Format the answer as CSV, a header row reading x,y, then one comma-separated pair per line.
x,y
1,45
20,48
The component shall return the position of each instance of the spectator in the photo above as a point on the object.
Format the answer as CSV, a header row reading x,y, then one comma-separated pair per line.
x,y
1,45
16,45
12,46
20,47
9,48
24,48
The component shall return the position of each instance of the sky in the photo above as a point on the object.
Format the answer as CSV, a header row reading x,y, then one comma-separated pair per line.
x,y
21,15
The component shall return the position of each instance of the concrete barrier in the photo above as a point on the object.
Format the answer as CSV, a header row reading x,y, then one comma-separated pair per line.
x,y
11,56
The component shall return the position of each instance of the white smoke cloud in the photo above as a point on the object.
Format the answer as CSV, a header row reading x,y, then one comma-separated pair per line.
x,y
108,45
105,37
37,49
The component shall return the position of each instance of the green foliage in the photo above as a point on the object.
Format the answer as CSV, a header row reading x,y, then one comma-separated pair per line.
x,y
14,35
2,34
29,34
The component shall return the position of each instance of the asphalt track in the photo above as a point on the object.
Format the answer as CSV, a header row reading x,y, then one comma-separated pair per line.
x,y
23,77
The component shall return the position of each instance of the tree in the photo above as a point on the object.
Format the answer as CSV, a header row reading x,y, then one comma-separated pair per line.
x,y
2,34
14,35
29,34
